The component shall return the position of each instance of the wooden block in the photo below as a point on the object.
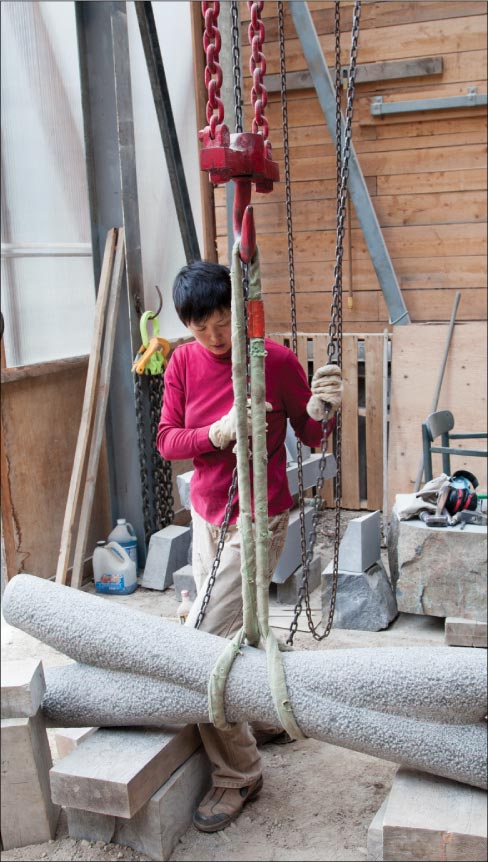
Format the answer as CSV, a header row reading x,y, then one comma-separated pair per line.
x,y
28,814
374,843
116,770
462,632
156,827
23,687
432,818
68,738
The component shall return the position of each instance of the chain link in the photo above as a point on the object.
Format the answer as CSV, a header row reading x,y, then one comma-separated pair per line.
x,y
334,347
236,64
161,469
257,67
212,43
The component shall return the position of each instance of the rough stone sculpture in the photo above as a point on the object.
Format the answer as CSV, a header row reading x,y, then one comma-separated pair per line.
x,y
424,708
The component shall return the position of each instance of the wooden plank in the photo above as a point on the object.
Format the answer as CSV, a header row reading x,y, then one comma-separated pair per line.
x,y
435,181
302,352
373,351
431,818
41,369
365,72
88,408
391,210
416,353
101,407
452,272
350,439
115,771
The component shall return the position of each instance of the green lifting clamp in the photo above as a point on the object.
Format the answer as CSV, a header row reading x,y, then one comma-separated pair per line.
x,y
151,356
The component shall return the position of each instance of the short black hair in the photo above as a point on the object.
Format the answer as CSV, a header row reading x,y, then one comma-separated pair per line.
x,y
199,289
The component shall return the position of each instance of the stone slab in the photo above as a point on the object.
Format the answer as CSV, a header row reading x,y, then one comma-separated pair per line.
x,y
374,842
310,472
168,552
469,633
115,771
183,580
438,571
183,485
23,687
291,556
28,815
68,738
157,826
360,546
364,601
430,818
287,593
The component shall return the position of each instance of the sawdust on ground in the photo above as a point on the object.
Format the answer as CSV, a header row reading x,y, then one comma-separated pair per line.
x,y
318,800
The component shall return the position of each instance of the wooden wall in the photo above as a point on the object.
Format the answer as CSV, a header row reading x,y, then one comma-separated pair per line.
x,y
426,172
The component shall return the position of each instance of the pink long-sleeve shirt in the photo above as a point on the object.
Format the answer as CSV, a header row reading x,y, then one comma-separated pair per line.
x,y
198,391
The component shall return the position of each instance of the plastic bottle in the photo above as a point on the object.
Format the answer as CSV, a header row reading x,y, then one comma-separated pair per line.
x,y
113,569
125,535
185,607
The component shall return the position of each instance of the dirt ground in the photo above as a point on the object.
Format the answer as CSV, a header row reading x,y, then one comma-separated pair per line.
x,y
317,801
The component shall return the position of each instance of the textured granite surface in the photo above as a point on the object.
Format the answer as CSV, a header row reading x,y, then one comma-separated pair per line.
x,y
421,707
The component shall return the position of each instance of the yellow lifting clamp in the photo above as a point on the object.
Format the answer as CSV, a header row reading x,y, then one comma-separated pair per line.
x,y
152,354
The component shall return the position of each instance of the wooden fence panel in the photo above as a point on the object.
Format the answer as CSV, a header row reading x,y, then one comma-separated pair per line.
x,y
362,413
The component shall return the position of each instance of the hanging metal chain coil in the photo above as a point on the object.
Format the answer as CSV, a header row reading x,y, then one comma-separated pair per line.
x,y
257,67
212,43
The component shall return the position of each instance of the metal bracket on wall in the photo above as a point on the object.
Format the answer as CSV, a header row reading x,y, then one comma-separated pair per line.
x,y
472,99
361,199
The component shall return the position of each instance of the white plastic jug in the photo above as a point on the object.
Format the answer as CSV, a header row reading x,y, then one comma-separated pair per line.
x,y
125,535
113,569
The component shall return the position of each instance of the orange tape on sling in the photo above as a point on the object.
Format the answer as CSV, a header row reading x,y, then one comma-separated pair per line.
x,y
255,318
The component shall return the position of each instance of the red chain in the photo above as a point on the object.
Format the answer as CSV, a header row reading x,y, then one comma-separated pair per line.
x,y
212,44
257,67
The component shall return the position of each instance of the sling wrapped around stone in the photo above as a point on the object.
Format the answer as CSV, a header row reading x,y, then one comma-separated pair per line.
x,y
422,707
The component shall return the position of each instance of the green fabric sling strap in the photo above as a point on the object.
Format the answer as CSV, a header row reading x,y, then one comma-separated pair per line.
x,y
254,566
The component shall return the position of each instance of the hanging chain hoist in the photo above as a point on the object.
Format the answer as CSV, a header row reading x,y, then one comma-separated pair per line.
x,y
334,347
156,477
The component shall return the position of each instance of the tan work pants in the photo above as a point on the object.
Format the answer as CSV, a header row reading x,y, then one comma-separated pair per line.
x,y
233,753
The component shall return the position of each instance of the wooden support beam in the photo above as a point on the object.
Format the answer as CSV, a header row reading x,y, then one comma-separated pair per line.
x,y
367,73
88,408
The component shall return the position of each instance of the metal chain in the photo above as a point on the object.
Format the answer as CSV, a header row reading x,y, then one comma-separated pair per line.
x,y
334,347
212,43
257,67
291,271
146,497
161,469
236,64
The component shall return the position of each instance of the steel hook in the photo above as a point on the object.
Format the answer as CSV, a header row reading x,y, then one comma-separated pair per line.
x,y
155,313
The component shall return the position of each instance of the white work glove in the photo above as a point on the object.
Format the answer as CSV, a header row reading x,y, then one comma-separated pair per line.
x,y
224,431
326,389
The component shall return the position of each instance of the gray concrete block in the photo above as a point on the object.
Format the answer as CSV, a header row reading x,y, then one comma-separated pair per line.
x,y
183,580
157,826
360,546
287,593
183,485
291,556
291,444
438,571
374,842
460,632
168,552
116,770
68,738
310,472
23,687
28,814
364,601
432,818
